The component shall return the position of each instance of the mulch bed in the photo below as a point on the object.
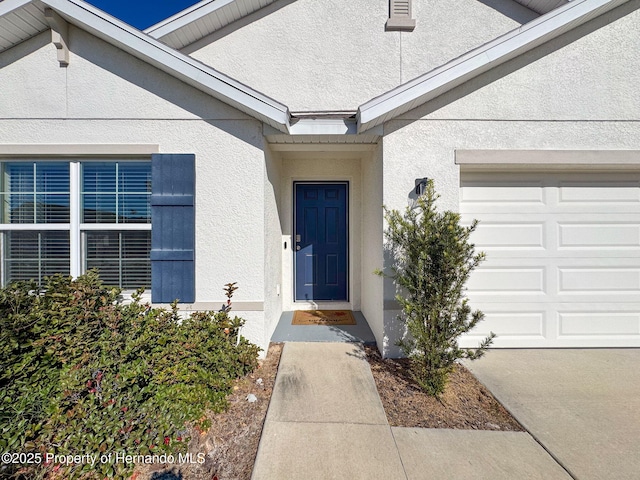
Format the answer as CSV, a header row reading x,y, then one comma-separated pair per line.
x,y
465,404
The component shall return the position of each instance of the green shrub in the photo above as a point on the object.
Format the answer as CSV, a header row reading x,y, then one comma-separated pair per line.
x,y
85,373
432,260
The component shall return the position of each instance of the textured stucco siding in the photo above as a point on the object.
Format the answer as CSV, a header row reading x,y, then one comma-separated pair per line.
x,y
106,96
372,259
274,244
336,55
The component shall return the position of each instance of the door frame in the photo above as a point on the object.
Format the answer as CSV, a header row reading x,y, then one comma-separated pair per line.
x,y
347,240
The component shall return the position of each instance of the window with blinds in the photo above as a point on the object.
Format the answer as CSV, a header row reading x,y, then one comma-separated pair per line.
x,y
33,255
44,230
35,193
116,192
122,258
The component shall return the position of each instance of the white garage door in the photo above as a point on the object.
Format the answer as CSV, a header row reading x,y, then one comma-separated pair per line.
x,y
563,257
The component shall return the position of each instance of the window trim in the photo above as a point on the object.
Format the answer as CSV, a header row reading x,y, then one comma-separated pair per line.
x,y
65,151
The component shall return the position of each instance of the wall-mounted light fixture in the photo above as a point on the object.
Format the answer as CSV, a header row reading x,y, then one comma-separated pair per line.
x,y
421,185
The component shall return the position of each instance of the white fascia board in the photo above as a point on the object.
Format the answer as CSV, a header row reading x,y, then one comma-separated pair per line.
x,y
444,78
173,62
185,17
320,126
8,6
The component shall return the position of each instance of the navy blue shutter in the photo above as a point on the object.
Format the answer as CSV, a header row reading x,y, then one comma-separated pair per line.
x,y
173,274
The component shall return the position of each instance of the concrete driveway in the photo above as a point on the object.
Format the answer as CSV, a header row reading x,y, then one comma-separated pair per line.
x,y
582,406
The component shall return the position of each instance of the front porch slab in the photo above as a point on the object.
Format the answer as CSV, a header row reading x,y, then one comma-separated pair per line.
x,y
360,333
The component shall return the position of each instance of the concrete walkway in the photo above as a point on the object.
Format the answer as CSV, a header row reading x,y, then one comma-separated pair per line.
x,y
326,421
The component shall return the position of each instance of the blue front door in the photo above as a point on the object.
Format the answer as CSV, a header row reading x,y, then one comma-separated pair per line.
x,y
320,240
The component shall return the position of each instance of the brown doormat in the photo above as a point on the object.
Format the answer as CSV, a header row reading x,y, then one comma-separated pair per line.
x,y
323,317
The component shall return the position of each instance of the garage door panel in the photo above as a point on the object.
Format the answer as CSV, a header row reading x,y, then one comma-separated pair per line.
x,y
563,257
597,192
608,280
507,280
543,210
491,234
507,191
591,234
575,280
530,324
611,323
565,233
590,326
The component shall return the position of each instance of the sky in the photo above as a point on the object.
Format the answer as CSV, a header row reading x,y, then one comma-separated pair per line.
x,y
142,13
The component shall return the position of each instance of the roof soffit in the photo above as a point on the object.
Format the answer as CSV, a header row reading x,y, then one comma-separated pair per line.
x,y
19,21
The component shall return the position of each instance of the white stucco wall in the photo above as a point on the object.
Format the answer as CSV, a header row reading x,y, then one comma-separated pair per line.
x,y
572,96
274,247
372,285
106,96
335,55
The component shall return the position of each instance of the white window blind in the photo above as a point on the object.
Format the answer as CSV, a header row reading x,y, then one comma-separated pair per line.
x,y
116,193
33,255
121,257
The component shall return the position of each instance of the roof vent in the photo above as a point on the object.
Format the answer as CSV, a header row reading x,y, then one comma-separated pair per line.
x,y
400,17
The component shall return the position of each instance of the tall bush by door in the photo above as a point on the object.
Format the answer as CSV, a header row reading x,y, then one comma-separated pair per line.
x,y
432,259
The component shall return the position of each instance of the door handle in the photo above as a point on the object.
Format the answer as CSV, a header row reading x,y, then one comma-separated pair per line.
x,y
298,247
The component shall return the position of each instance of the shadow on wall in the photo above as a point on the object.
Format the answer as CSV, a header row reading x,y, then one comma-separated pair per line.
x,y
513,10
515,64
165,86
394,327
237,25
25,49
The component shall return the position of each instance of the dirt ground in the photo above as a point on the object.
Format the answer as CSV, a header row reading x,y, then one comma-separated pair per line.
x,y
231,444
465,404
